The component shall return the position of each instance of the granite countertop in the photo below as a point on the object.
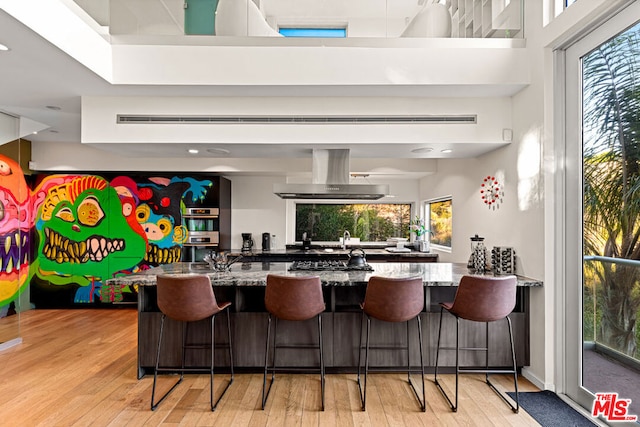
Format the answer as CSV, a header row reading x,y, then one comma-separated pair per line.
x,y
255,273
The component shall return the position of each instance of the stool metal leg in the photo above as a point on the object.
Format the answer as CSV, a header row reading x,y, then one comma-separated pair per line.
x,y
362,400
363,388
265,391
214,405
155,404
515,408
423,402
321,358
453,407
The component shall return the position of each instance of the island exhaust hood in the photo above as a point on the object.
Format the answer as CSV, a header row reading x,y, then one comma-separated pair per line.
x,y
331,180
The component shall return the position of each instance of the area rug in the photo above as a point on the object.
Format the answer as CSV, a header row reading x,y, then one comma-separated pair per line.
x,y
549,410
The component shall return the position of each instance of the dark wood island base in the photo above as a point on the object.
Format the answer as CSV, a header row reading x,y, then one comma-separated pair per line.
x,y
244,286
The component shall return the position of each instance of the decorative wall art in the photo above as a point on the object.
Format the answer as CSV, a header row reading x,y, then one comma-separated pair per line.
x,y
491,192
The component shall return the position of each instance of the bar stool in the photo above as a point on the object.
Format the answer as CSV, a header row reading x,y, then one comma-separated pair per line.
x,y
292,298
189,299
392,300
481,299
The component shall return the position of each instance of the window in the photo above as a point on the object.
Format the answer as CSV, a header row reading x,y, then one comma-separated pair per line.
x,y
313,32
439,213
373,222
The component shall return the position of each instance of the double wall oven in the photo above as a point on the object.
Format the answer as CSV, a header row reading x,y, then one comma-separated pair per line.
x,y
203,226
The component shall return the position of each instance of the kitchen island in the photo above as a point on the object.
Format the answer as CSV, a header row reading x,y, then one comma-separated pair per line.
x,y
244,286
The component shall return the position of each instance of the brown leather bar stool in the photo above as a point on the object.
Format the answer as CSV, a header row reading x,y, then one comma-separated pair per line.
x,y
481,299
392,300
292,298
189,299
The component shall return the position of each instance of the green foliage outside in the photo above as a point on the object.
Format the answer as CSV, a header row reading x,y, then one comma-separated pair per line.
x,y
611,168
369,222
440,222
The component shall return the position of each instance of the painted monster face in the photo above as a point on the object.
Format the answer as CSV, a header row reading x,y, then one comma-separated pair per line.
x,y
14,247
162,234
88,235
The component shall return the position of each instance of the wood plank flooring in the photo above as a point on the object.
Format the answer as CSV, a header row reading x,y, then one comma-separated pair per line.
x,y
78,368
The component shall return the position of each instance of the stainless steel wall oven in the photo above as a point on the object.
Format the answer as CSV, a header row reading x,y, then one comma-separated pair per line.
x,y
203,227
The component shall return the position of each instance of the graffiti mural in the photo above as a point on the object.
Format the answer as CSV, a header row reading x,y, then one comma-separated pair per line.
x,y
15,223
89,229
159,213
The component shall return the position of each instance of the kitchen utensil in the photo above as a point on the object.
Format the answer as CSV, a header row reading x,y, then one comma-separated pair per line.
x,y
357,257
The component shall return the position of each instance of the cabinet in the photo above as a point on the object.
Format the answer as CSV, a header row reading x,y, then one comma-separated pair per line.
x,y
486,18
341,329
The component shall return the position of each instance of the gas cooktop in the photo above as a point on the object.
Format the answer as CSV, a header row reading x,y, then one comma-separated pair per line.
x,y
324,265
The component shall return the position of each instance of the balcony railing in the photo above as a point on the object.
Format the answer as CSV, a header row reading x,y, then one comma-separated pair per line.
x,y
354,18
611,301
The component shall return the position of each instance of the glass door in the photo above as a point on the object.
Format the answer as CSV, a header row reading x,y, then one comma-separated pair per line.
x,y
602,297
14,262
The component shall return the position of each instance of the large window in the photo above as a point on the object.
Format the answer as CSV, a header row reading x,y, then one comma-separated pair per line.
x,y
439,214
368,222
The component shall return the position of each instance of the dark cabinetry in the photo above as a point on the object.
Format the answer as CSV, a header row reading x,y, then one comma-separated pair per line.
x,y
341,325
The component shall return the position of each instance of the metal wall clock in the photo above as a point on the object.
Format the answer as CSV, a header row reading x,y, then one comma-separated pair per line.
x,y
491,192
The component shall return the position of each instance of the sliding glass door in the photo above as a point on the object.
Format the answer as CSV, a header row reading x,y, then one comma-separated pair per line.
x,y
602,297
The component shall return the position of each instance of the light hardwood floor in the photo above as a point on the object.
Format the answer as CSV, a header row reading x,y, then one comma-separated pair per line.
x,y
78,368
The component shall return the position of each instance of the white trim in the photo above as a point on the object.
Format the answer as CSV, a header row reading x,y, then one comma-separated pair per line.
x,y
11,343
536,381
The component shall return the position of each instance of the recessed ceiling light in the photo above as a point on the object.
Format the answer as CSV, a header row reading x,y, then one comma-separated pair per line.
x,y
422,150
193,151
53,107
446,150
3,47
219,151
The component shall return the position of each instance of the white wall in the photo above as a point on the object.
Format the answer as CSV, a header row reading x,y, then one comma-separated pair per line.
x,y
255,209
516,222
519,220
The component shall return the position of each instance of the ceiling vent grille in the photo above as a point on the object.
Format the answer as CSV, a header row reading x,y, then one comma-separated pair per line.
x,y
262,120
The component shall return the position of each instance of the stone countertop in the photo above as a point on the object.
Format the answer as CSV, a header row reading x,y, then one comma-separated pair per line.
x,y
255,274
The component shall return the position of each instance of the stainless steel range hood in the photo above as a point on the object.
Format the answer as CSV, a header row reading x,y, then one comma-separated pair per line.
x,y
331,180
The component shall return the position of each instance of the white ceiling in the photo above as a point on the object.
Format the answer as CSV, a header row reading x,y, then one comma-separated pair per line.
x,y
35,74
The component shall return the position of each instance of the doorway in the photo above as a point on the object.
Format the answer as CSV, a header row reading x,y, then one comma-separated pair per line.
x,y
602,213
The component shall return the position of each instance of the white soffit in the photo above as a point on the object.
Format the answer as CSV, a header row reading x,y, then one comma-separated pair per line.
x,y
64,24
99,120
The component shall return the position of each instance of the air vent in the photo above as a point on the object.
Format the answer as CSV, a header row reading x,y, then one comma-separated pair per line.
x,y
143,119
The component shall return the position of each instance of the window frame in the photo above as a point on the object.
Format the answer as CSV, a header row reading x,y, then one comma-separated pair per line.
x,y
426,214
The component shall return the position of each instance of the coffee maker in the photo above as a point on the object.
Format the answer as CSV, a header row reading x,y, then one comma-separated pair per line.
x,y
247,242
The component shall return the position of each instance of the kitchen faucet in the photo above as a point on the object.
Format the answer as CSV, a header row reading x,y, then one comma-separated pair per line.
x,y
345,236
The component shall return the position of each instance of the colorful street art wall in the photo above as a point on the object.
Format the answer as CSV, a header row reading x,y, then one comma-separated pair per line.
x,y
63,235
